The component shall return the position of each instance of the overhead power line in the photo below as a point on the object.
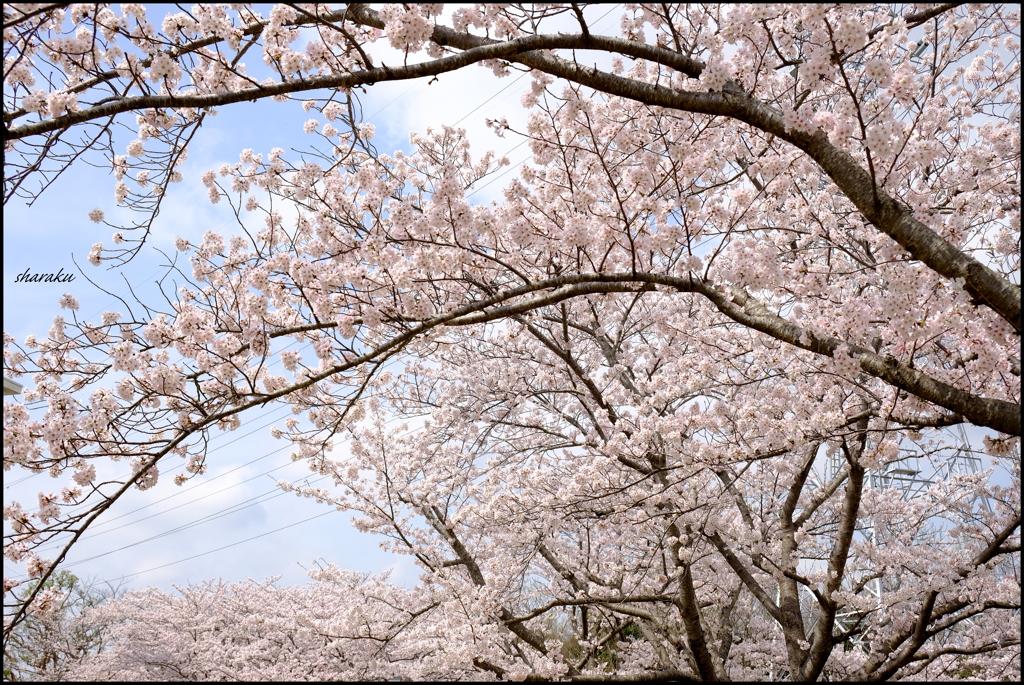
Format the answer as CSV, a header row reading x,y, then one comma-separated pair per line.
x,y
227,511
213,551
251,502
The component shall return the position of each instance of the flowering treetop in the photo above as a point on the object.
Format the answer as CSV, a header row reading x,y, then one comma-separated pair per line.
x,y
765,238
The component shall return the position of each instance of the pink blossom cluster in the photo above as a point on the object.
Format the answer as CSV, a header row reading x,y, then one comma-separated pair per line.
x,y
163,67
408,27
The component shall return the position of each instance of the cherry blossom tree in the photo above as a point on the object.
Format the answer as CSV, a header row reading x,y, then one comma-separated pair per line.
x,y
50,645
342,630
638,404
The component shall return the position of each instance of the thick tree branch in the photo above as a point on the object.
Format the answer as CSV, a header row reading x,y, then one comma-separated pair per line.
x,y
874,203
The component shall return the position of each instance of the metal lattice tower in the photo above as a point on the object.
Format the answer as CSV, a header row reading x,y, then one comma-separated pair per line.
x,y
913,474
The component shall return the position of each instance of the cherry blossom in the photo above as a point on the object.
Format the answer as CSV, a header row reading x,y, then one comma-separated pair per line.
x,y
643,419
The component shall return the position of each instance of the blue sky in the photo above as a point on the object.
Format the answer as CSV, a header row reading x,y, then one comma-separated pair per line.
x,y
149,538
